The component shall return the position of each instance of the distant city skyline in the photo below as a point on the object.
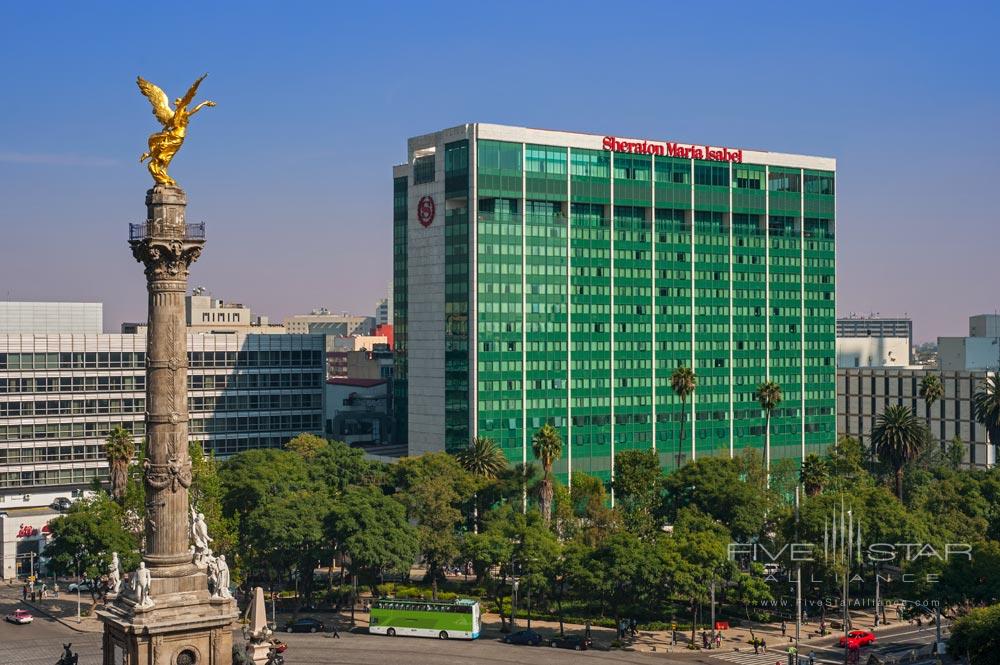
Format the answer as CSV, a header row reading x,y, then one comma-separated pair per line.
x,y
292,171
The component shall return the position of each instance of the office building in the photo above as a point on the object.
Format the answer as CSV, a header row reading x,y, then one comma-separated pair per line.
x,y
864,393
42,318
322,322
60,395
874,342
547,276
979,351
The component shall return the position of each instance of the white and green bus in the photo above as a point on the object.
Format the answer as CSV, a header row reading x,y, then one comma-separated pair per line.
x,y
458,619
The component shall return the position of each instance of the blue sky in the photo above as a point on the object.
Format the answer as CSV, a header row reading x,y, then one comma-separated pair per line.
x,y
292,171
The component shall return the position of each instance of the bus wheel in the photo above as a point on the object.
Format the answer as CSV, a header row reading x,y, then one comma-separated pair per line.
x,y
443,635
391,632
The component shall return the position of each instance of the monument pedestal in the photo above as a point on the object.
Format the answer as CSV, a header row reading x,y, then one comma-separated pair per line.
x,y
183,627
180,623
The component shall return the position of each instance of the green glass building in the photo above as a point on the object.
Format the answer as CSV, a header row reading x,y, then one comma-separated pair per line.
x,y
546,276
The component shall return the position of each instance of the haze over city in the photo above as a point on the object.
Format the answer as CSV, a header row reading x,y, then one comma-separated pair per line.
x,y
292,171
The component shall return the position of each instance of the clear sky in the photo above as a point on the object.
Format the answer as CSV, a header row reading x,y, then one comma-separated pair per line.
x,y
292,171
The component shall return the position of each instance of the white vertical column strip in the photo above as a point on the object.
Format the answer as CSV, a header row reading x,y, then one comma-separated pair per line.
x,y
833,368
524,321
611,217
767,304
732,423
694,342
802,309
473,318
569,319
652,289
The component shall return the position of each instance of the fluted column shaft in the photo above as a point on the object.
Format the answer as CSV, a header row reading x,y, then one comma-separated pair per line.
x,y
167,251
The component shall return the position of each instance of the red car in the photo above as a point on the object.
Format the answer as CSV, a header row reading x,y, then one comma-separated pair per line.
x,y
857,639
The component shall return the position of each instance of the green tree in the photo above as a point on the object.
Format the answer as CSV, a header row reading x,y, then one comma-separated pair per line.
x,y
769,396
814,474
897,437
205,496
485,461
683,382
283,537
547,446
627,572
372,531
119,448
306,445
986,406
84,538
638,485
718,487
975,637
433,487
931,390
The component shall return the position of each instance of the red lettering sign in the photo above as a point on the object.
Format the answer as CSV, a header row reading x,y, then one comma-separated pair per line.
x,y
26,531
673,150
425,211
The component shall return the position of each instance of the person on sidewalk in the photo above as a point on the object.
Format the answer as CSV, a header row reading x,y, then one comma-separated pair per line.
x,y
336,634
756,645
586,629
783,628
633,627
763,646
24,592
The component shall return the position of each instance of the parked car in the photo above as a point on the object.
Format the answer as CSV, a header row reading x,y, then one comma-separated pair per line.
x,y
20,617
84,586
305,625
524,637
577,642
62,504
857,639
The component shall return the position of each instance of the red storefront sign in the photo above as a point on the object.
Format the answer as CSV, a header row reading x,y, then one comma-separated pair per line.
x,y
26,531
669,149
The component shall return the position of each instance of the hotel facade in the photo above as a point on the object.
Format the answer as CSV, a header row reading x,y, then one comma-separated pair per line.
x,y
547,276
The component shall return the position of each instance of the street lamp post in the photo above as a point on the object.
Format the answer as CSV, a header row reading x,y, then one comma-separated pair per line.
x,y
513,606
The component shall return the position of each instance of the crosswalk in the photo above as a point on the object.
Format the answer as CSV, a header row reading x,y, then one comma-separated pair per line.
x,y
748,657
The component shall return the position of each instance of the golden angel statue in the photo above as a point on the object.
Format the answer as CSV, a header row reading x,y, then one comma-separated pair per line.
x,y
164,145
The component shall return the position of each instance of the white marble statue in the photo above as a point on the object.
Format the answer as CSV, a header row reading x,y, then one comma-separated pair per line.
x,y
115,574
199,534
218,571
141,580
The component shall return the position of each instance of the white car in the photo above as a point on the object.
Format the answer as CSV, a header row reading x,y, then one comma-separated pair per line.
x,y
20,616
85,585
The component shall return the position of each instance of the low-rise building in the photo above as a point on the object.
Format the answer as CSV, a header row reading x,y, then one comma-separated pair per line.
x,y
874,342
322,321
358,411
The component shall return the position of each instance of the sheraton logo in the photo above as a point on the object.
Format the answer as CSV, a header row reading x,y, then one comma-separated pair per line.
x,y
669,149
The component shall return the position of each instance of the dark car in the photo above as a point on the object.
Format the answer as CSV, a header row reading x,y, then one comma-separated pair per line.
x,y
305,625
61,504
571,642
524,637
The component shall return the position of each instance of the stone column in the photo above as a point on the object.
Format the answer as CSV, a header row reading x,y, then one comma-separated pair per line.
x,y
167,249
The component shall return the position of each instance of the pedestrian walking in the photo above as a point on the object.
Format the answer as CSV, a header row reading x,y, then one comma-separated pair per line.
x,y
718,640
704,640
336,633
812,658
586,629
24,592
783,628
756,646
633,627
763,646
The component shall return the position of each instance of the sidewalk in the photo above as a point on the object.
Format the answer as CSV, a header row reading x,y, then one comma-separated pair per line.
x,y
61,608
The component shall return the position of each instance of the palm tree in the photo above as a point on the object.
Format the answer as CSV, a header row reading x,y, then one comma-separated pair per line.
x,y
769,396
683,382
547,445
119,448
814,474
931,390
484,460
986,406
897,438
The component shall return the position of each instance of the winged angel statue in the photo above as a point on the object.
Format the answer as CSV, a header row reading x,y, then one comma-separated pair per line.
x,y
164,145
